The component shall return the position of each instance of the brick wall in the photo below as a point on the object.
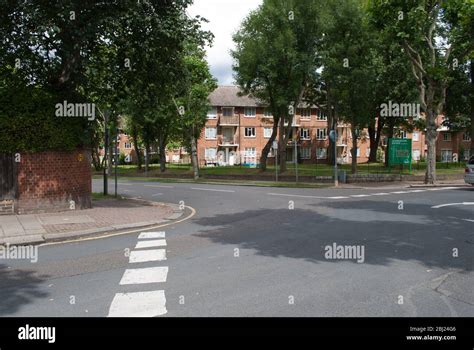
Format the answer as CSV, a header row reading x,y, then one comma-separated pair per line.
x,y
49,181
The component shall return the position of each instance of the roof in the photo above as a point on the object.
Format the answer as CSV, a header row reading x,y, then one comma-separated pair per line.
x,y
228,96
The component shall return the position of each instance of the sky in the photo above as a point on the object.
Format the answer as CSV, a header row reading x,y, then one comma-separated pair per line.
x,y
225,17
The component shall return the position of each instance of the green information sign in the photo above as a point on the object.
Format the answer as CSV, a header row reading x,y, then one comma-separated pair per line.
x,y
399,152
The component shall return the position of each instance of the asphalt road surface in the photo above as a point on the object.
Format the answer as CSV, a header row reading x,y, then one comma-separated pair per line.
x,y
254,251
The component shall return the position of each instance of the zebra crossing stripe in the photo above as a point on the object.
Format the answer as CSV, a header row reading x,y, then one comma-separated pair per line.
x,y
139,304
138,256
151,244
146,235
145,275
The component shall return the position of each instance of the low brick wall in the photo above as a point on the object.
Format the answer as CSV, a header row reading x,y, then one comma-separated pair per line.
x,y
360,178
49,181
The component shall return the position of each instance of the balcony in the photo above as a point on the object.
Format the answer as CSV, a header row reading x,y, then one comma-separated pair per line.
x,y
341,142
225,141
229,121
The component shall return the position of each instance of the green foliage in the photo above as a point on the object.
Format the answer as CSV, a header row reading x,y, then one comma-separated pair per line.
x,y
123,56
28,121
275,51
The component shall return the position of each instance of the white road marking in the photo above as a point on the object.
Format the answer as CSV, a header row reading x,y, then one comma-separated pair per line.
x,y
159,234
151,244
400,192
451,204
146,275
147,255
140,304
360,195
381,194
417,191
340,197
211,189
468,220
294,195
157,194
442,188
159,186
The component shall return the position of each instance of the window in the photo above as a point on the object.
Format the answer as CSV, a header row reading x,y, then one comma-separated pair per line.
x,y
321,115
305,113
267,113
267,132
446,155
466,136
402,134
128,145
211,153
211,133
250,152
305,152
358,153
416,136
305,134
228,111
446,136
466,154
367,152
321,153
321,134
416,154
249,132
250,112
212,113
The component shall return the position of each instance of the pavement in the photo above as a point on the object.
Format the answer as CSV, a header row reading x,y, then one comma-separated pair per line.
x,y
260,251
107,215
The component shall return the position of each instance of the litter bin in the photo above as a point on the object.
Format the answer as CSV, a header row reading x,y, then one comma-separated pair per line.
x,y
341,176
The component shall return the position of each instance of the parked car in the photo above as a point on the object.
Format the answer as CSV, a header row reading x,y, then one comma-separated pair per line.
x,y
469,172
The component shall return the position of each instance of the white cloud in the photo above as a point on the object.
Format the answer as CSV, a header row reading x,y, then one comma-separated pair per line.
x,y
225,17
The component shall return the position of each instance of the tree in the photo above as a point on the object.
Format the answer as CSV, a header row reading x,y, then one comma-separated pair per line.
x,y
423,30
275,58
192,101
349,73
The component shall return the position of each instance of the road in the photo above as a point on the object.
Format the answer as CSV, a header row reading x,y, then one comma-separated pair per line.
x,y
256,251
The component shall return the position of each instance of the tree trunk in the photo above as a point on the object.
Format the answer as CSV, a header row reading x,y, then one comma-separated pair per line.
x,y
354,149
162,146
268,146
332,124
282,146
96,158
391,129
471,154
194,157
137,148
147,155
111,154
375,136
431,135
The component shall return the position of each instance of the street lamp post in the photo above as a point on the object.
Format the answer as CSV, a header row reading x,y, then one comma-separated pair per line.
x,y
106,150
333,137
296,160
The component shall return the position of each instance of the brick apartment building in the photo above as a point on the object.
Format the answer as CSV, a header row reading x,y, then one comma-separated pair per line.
x,y
238,127
125,147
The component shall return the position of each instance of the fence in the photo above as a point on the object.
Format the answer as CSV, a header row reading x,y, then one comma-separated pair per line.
x,y
8,187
